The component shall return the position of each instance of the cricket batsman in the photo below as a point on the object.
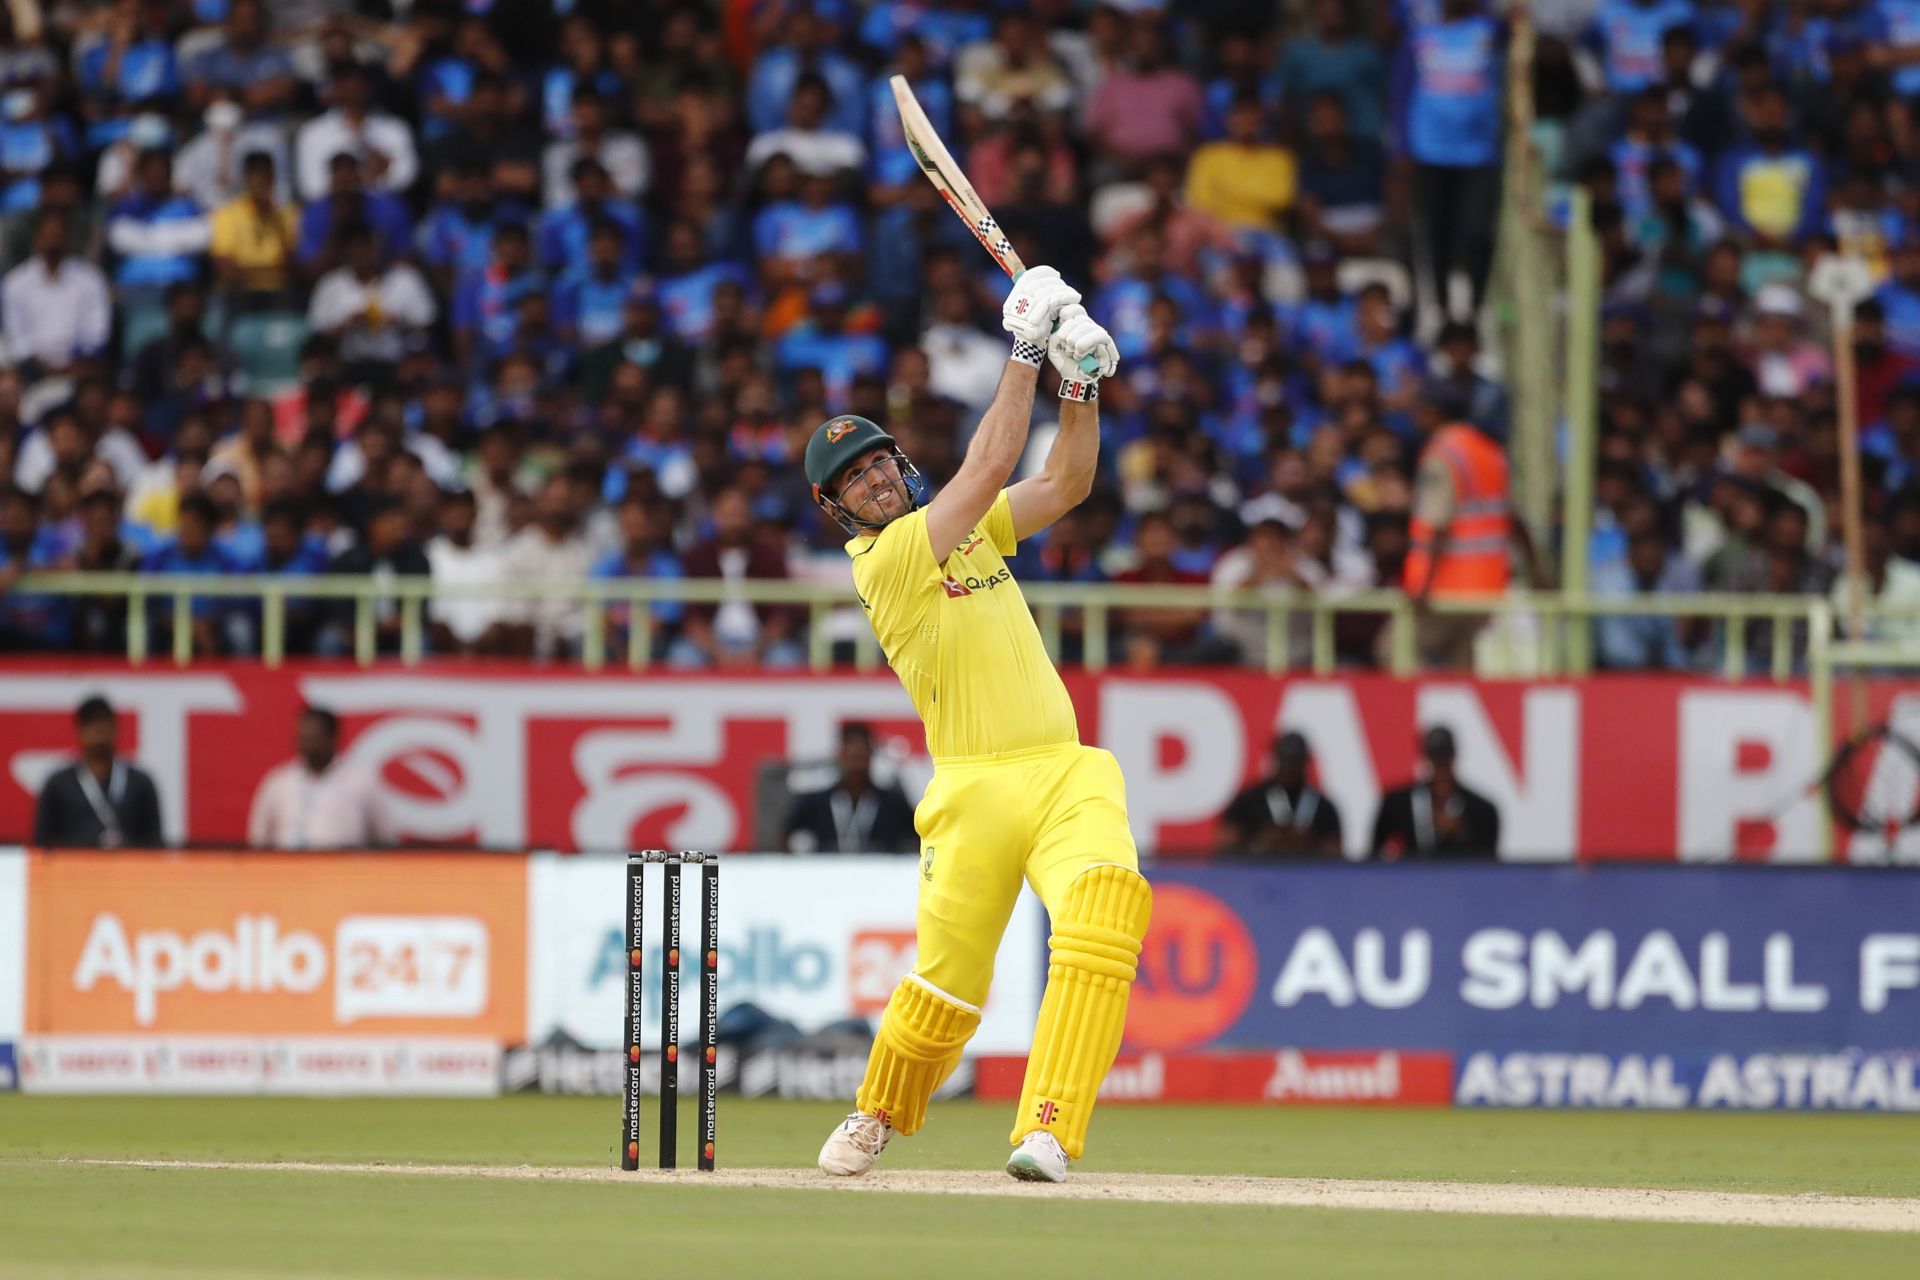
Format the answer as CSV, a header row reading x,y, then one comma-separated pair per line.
x,y
1014,795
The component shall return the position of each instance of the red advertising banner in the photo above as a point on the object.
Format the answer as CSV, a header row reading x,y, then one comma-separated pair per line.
x,y
1609,767
1372,1077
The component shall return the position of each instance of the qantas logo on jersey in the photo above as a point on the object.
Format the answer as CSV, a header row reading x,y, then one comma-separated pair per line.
x,y
957,587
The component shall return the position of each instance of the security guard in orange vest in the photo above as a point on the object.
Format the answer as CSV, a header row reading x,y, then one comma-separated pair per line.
x,y
1461,531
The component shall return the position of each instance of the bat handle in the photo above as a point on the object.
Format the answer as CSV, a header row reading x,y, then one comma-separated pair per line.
x,y
1088,364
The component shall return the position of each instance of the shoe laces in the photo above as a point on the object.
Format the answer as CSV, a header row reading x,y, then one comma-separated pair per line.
x,y
869,1133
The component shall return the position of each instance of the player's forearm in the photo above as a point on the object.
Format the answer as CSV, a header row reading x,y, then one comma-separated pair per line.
x,y
1076,449
1002,435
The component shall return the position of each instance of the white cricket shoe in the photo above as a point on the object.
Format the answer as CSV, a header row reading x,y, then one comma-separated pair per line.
x,y
855,1145
1038,1158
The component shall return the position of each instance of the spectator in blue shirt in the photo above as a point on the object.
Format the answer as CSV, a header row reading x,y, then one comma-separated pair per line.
x,y
1899,300
158,238
943,29
1626,36
583,62
1343,179
486,303
590,302
646,551
1894,27
447,82
1453,73
798,241
132,65
822,342
456,237
1322,325
1241,73
1398,365
688,284
26,621
194,552
346,204
1336,59
260,75
564,231
1769,187
1649,138
288,550
808,48
32,141
1644,643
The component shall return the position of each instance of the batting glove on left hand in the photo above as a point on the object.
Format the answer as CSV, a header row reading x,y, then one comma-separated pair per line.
x,y
1034,303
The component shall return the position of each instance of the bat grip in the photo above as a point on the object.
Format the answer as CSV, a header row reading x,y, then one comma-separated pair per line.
x,y
1088,364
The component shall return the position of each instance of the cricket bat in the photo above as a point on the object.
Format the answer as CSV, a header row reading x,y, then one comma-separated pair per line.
x,y
937,163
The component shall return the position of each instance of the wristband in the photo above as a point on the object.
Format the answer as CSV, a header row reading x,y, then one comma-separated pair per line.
x,y
1084,390
1028,353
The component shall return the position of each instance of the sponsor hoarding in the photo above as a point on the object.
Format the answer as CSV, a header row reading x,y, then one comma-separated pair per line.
x,y
1567,960
310,1065
812,941
263,945
1787,1081
518,759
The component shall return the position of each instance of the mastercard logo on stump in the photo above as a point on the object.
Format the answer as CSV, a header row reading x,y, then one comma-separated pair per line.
x,y
1197,971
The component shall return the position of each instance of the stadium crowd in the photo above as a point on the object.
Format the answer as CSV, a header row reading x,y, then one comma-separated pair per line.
x,y
553,291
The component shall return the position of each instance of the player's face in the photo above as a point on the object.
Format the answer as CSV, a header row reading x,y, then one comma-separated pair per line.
x,y
873,491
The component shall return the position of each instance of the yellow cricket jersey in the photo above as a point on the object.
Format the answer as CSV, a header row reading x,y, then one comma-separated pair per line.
x,y
960,637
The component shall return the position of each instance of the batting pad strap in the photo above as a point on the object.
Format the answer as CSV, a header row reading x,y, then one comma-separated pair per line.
x,y
1095,952
1084,390
922,1033
1028,353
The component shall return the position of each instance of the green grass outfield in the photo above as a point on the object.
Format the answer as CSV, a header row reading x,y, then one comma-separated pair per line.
x,y
88,1220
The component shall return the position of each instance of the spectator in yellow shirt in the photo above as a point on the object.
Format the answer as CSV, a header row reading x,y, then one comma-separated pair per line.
x,y
1243,181
253,238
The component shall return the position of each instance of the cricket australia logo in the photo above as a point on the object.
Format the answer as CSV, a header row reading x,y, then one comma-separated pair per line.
x,y
839,429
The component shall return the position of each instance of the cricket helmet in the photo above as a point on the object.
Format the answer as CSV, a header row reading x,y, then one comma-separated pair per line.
x,y
833,447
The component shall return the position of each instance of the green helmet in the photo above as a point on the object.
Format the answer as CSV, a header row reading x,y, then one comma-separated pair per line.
x,y
834,444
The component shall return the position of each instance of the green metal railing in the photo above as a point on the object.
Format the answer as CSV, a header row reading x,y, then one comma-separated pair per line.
x,y
1561,618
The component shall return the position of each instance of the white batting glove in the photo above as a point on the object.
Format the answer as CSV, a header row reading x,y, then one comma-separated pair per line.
x,y
1034,303
1076,343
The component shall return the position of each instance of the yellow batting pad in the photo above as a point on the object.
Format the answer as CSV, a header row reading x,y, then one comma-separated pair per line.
x,y
1095,953
921,1035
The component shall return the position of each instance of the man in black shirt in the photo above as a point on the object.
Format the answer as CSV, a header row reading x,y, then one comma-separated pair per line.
x,y
100,801
1282,815
1434,817
855,814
